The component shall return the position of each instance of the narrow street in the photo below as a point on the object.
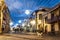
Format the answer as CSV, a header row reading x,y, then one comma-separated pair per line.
x,y
20,37
29,19
27,37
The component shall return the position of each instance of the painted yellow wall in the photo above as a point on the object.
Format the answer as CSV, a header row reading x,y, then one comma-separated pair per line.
x,y
1,15
49,28
49,15
56,27
1,19
39,22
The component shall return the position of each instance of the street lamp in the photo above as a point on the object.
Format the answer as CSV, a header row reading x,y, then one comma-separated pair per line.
x,y
16,24
33,22
23,24
11,23
19,21
27,12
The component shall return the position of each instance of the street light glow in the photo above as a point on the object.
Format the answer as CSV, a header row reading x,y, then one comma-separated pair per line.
x,y
23,24
19,21
32,22
28,25
16,24
27,12
11,23
39,21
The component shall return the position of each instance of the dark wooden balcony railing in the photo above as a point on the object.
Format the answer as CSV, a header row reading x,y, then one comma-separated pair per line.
x,y
52,20
59,17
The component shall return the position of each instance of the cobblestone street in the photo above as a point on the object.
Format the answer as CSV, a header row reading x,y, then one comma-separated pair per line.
x,y
26,37
29,19
19,37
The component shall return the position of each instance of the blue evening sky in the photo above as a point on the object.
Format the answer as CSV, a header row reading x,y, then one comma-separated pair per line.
x,y
17,7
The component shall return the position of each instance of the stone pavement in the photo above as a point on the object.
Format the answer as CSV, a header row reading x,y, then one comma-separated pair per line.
x,y
19,37
27,37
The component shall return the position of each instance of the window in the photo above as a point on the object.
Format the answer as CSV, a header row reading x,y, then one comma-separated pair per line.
x,y
4,18
52,15
49,16
40,16
46,19
0,7
59,11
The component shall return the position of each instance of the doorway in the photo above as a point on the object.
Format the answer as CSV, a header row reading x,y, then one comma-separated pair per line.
x,y
46,29
52,29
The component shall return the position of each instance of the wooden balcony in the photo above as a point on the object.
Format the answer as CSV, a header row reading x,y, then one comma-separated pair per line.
x,y
59,18
52,20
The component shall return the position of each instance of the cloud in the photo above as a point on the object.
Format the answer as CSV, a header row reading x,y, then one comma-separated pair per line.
x,y
17,5
9,2
13,4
